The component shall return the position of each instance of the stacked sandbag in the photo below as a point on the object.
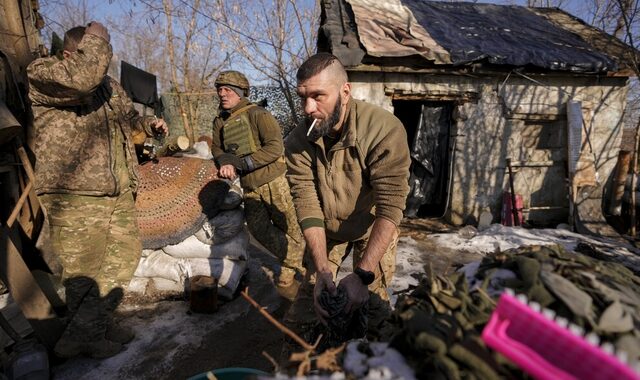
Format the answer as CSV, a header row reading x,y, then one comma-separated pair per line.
x,y
191,223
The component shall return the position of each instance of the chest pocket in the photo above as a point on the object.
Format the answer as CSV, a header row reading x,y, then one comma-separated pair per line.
x,y
237,131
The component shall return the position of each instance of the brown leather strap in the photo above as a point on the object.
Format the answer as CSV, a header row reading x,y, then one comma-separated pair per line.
x,y
241,110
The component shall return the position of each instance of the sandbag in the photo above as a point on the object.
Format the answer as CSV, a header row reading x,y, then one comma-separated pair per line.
x,y
159,264
228,272
222,227
147,252
234,248
233,199
138,285
164,285
189,247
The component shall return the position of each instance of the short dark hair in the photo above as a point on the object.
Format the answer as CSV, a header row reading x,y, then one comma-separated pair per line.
x,y
72,38
315,65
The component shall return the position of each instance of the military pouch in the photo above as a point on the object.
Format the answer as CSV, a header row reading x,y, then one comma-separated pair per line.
x,y
237,133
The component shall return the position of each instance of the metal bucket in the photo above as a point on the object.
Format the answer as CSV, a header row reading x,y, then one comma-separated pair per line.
x,y
203,294
231,374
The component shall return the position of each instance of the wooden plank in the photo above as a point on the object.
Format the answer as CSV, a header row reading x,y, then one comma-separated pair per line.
x,y
25,291
32,216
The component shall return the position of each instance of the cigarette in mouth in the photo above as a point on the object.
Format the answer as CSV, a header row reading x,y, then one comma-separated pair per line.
x,y
311,127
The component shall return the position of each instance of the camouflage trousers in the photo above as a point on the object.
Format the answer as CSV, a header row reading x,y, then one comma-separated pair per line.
x,y
301,316
272,220
97,242
302,312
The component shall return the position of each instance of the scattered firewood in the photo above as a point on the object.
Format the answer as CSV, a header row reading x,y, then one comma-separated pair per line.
x,y
327,361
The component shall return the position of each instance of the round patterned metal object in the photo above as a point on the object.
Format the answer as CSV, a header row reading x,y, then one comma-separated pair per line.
x,y
175,196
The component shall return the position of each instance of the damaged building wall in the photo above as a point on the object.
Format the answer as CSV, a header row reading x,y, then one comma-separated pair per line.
x,y
508,116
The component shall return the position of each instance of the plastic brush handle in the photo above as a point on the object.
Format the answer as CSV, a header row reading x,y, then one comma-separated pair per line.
x,y
513,313
495,335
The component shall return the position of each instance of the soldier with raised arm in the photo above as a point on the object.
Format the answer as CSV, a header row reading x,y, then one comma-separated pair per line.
x,y
86,180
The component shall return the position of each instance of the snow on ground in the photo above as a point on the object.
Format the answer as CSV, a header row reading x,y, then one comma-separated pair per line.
x,y
168,330
500,237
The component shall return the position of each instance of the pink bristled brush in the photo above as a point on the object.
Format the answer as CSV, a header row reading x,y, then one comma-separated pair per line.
x,y
548,348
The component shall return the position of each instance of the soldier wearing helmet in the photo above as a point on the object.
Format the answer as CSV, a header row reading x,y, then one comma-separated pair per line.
x,y
247,142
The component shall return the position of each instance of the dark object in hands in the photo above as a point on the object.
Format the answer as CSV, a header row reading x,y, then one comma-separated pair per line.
x,y
366,276
342,326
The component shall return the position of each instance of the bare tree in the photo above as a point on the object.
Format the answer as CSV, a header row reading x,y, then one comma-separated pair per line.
x,y
546,3
281,35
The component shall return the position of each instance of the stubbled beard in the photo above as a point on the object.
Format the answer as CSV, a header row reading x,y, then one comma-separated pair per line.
x,y
324,127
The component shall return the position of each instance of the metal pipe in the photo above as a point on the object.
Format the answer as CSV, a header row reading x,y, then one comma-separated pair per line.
x,y
514,210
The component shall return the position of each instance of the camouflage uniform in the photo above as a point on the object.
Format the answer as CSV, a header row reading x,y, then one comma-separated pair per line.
x,y
86,178
269,210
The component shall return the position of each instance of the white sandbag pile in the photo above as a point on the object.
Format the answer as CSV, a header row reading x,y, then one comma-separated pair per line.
x,y
221,255
218,247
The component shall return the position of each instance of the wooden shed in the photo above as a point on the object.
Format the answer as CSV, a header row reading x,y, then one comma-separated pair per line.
x,y
478,86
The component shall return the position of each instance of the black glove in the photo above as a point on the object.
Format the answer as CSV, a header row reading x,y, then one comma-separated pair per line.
x,y
241,164
230,159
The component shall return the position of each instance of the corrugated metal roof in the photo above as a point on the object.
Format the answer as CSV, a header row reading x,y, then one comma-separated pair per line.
x,y
459,33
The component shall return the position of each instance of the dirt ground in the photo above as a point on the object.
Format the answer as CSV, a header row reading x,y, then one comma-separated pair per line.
x,y
172,343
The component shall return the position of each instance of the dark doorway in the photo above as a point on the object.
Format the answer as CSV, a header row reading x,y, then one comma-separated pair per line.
x,y
428,126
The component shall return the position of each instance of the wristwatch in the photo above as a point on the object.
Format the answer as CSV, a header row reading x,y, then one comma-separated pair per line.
x,y
366,276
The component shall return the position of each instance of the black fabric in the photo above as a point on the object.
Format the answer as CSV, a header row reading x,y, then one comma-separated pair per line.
x,y
141,86
429,159
338,35
342,326
57,45
505,35
233,160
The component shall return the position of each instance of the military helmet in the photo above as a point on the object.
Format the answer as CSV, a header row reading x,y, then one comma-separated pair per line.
x,y
233,78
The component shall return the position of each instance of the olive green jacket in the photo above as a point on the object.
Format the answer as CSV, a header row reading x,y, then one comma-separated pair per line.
x,y
365,174
268,159
79,113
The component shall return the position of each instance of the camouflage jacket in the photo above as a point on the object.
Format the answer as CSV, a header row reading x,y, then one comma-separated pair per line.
x,y
268,159
78,110
363,176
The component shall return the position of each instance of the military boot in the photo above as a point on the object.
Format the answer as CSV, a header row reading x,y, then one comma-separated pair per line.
x,y
85,333
69,348
119,334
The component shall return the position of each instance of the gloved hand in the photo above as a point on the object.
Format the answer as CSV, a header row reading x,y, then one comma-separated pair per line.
x,y
230,159
357,292
324,281
244,164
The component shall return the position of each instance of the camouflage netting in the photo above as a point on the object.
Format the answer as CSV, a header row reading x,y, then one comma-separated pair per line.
x,y
206,108
175,197
437,327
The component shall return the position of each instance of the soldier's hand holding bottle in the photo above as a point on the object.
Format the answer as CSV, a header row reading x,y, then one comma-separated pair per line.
x,y
159,126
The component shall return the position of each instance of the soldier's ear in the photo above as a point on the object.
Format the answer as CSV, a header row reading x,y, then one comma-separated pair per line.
x,y
66,54
345,91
